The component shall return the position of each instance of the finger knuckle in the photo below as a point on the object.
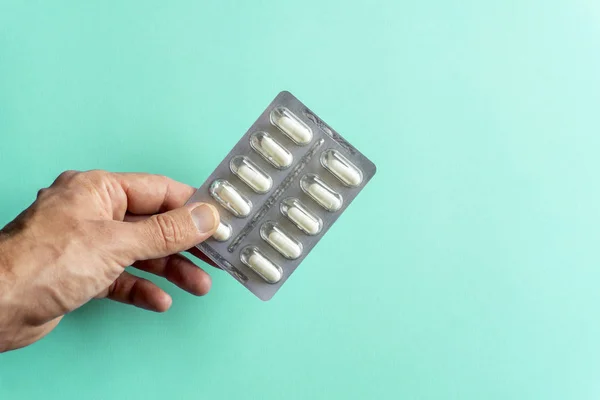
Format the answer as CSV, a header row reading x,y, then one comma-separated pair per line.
x,y
168,231
65,175
64,178
95,176
42,192
78,178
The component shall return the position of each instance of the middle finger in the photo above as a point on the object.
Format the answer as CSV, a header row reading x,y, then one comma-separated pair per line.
x,y
180,271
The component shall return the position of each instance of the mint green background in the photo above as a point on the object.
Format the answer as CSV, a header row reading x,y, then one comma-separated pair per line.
x,y
467,269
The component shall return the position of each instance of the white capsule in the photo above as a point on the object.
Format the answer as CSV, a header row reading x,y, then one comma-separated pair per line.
x,y
278,153
294,130
229,197
284,245
260,264
303,221
341,168
324,197
234,198
280,240
291,126
320,192
271,150
251,174
255,180
222,233
264,268
301,216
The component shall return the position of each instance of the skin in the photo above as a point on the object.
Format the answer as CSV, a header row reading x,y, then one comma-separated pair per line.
x,y
75,241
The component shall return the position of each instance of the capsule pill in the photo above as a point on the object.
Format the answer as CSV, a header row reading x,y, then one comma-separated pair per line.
x,y
299,214
320,192
291,126
271,150
223,232
251,174
308,224
230,198
341,168
281,241
260,264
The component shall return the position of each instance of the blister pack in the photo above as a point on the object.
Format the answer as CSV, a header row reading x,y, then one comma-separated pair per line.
x,y
279,190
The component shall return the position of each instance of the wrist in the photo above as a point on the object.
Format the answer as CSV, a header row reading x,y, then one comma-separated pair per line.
x,y
20,322
14,328
8,317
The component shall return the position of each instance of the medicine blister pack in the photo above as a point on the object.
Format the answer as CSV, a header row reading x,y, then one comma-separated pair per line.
x,y
278,191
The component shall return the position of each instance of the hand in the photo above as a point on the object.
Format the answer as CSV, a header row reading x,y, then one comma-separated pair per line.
x,y
74,242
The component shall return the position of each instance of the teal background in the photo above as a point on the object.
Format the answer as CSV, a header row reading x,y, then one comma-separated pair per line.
x,y
467,269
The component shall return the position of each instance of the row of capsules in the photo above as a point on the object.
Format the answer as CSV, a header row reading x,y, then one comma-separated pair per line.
x,y
260,182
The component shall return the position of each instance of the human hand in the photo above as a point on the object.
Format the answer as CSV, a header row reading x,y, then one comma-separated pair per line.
x,y
74,242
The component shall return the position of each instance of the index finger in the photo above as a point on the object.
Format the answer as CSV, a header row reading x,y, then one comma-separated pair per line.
x,y
151,194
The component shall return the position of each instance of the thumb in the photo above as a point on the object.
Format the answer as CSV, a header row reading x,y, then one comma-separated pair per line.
x,y
171,232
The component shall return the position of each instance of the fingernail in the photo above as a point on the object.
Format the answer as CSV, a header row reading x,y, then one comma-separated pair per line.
x,y
204,217
166,303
